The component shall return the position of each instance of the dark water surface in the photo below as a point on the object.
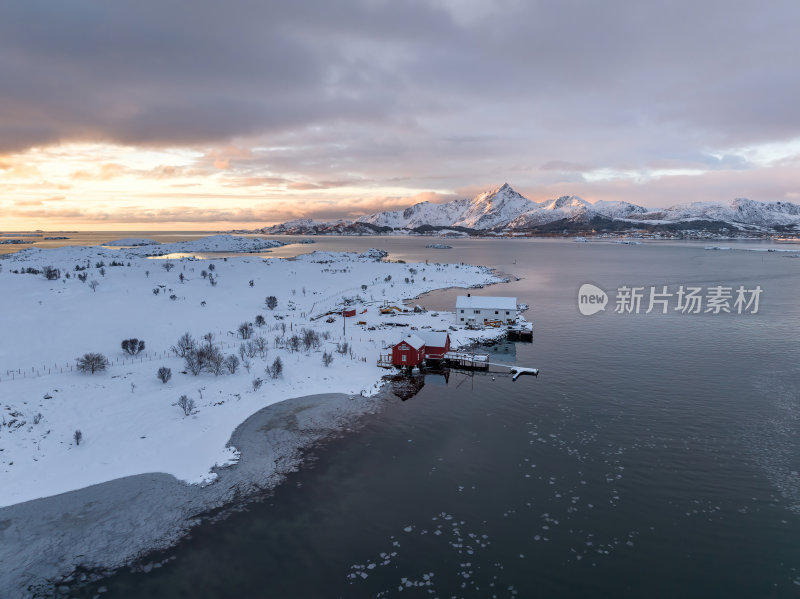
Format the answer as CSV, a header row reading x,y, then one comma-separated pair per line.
x,y
655,456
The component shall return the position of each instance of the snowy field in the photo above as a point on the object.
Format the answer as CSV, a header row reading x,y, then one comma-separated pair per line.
x,y
129,420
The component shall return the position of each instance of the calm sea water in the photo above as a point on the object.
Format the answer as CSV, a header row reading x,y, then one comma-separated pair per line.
x,y
657,455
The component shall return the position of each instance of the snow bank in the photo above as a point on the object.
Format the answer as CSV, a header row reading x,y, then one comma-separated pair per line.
x,y
129,419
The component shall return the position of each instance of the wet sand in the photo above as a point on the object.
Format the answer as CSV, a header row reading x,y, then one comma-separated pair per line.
x,y
47,544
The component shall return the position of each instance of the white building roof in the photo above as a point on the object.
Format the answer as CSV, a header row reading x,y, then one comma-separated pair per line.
x,y
486,302
413,340
434,338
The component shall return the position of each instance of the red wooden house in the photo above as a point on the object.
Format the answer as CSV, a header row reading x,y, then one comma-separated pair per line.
x,y
409,352
437,344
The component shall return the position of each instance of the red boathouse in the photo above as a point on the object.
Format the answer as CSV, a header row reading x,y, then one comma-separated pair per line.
x,y
437,344
409,352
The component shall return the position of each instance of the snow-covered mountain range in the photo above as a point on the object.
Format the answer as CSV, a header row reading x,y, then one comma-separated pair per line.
x,y
503,209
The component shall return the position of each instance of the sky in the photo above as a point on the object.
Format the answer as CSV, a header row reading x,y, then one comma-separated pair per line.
x,y
201,115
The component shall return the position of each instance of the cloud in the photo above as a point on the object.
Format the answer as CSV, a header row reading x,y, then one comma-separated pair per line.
x,y
374,95
102,172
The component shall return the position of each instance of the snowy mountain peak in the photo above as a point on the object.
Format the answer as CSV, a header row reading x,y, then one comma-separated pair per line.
x,y
493,208
566,202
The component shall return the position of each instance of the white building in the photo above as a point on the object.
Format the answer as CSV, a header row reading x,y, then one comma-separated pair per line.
x,y
477,309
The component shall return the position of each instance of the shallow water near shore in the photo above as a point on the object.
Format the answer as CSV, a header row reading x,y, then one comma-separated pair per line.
x,y
656,455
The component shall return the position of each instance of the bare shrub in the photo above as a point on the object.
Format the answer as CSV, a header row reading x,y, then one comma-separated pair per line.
x,y
261,345
310,339
78,436
164,374
272,302
185,344
276,370
133,346
232,363
91,363
185,404
245,330
51,273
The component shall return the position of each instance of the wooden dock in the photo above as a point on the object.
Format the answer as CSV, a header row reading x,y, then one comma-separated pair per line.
x,y
467,360
520,332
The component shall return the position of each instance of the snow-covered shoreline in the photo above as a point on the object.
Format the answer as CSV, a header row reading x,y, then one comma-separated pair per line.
x,y
128,418
67,505
102,527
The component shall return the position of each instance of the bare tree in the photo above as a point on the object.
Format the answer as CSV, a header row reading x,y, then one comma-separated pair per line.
x,y
91,363
164,374
327,359
214,359
232,363
185,344
276,370
78,436
260,322
272,302
133,346
245,330
93,284
261,345
168,266
194,363
186,404
257,382
310,339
